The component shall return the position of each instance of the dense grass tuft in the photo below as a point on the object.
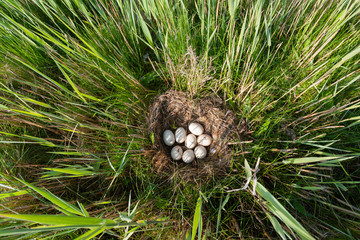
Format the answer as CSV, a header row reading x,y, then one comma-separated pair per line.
x,y
76,81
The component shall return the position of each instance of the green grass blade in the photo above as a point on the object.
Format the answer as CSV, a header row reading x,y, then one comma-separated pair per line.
x,y
347,57
317,159
247,169
221,207
61,220
268,33
91,234
233,5
54,199
197,222
43,75
6,233
145,29
85,213
29,113
277,226
278,209
60,66
37,102
71,171
68,153
36,139
13,194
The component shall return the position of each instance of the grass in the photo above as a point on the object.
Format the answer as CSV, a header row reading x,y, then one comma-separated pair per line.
x,y
77,78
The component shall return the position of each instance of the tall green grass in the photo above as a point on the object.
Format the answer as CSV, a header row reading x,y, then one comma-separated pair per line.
x,y
77,78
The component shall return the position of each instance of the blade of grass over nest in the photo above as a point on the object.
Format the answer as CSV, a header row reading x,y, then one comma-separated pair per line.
x,y
54,199
279,211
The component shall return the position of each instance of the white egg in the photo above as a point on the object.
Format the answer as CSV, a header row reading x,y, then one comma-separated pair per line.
x,y
176,153
204,140
169,137
200,152
188,156
190,141
196,128
180,135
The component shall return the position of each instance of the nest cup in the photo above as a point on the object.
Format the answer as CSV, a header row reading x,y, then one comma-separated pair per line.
x,y
174,109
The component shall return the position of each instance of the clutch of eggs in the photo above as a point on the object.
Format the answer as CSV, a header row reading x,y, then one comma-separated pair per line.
x,y
195,142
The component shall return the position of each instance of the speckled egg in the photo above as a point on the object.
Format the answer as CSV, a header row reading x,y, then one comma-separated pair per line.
x,y
204,140
176,153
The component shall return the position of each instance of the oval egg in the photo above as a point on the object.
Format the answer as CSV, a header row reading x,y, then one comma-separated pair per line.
x,y
200,152
176,153
196,128
190,141
188,156
180,135
204,140
169,137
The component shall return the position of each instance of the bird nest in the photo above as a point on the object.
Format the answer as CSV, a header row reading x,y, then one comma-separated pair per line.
x,y
175,109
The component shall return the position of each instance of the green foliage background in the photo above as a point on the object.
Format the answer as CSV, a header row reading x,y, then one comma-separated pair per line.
x,y
76,80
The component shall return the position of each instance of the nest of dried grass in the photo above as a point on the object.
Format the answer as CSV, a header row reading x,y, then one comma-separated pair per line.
x,y
175,109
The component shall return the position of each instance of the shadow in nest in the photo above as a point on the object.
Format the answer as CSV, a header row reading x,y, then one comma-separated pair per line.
x,y
175,109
